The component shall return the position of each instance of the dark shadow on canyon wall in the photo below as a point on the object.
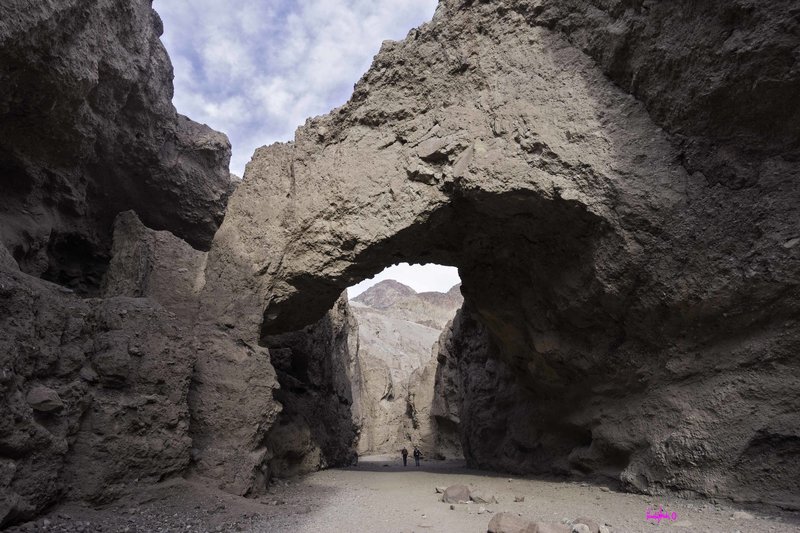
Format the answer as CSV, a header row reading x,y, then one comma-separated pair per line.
x,y
316,367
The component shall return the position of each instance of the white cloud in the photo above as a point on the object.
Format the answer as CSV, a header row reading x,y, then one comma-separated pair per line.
x,y
421,278
256,69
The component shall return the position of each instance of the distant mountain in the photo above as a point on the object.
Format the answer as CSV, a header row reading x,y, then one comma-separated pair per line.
x,y
432,309
384,294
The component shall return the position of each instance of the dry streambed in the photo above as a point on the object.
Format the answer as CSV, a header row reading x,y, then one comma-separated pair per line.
x,y
383,496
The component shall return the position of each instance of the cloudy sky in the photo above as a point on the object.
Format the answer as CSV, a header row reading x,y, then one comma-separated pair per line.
x,y
256,69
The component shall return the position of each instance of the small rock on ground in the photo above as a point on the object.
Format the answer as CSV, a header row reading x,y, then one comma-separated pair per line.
x,y
456,494
593,526
507,523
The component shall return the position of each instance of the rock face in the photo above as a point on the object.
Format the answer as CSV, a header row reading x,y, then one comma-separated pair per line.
x,y
623,234
617,183
94,392
317,369
94,395
87,130
397,328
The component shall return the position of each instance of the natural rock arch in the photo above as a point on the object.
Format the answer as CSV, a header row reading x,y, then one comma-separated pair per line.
x,y
596,262
616,180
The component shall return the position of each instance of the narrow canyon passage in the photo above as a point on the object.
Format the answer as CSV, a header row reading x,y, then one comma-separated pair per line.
x,y
362,381
399,329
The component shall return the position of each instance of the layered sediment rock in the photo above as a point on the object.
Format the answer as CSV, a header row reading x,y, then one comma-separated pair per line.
x,y
397,330
630,260
87,130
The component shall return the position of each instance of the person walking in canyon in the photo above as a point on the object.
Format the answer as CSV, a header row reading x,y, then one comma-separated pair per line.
x,y
417,455
404,453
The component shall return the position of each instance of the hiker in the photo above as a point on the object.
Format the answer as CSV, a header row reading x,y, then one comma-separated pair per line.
x,y
417,455
405,456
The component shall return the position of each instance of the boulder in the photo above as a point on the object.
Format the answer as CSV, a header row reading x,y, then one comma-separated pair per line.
x,y
547,527
456,494
509,523
480,496
43,399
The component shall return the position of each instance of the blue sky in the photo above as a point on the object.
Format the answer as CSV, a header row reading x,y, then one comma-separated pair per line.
x,y
256,69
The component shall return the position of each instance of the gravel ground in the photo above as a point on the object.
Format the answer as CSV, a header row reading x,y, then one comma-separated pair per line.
x,y
381,495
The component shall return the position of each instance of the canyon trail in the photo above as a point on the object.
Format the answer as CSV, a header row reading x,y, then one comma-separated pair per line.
x,y
381,495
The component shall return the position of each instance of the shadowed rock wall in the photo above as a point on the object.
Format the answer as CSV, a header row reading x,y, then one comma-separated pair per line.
x,y
94,392
87,130
94,395
318,371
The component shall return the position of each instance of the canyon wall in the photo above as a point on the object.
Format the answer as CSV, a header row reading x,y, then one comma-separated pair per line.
x,y
96,317
397,329
617,183
93,395
88,130
319,374
624,236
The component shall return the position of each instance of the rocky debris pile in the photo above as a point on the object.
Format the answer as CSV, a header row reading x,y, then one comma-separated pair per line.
x,y
397,328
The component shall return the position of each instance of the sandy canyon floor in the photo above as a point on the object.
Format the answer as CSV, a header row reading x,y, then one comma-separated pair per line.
x,y
383,496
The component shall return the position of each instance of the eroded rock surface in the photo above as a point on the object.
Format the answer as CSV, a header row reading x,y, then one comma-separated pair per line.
x,y
624,242
87,130
93,392
317,369
616,181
